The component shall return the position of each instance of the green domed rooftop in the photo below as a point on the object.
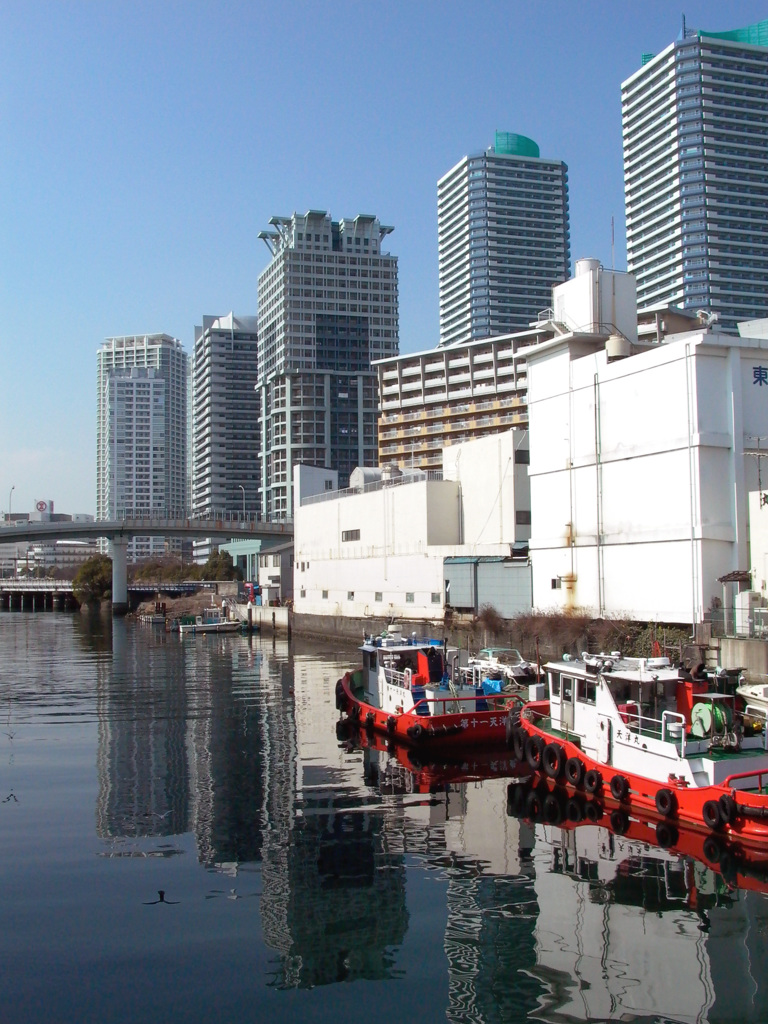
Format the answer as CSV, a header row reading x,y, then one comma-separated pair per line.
x,y
509,144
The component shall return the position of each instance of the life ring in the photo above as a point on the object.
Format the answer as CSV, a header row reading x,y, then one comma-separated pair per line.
x,y
710,812
574,771
553,760
518,742
619,788
593,781
534,751
666,803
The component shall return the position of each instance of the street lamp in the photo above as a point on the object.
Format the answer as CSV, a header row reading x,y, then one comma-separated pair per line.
x,y
243,490
10,496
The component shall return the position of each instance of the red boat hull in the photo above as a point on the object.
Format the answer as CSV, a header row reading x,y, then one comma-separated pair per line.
x,y
736,814
467,728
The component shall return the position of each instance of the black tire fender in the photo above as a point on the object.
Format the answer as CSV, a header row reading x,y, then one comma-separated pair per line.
x,y
553,760
574,771
593,781
619,788
710,812
666,803
534,751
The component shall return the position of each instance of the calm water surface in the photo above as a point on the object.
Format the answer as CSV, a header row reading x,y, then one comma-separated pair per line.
x,y
183,837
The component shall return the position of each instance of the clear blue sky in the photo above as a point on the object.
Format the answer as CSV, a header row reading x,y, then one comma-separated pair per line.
x,y
143,146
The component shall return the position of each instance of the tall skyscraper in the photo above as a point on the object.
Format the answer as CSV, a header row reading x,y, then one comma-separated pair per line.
x,y
503,239
328,306
141,407
695,122
225,431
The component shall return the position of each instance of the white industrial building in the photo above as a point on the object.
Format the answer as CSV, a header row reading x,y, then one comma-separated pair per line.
x,y
640,471
379,548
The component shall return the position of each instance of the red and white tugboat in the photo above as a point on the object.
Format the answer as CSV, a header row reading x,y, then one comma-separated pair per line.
x,y
654,738
410,689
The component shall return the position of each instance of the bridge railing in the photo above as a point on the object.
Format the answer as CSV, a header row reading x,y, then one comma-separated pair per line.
x,y
215,514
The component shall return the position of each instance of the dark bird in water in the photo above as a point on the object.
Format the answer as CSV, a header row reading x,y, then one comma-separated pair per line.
x,y
162,899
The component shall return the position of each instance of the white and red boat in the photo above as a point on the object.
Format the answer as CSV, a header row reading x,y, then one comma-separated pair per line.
x,y
652,737
410,688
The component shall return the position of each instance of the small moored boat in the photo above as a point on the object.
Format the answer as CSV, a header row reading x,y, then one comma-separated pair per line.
x,y
655,738
410,688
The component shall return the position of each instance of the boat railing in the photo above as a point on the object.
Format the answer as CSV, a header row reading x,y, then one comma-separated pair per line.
x,y
759,774
454,704
670,728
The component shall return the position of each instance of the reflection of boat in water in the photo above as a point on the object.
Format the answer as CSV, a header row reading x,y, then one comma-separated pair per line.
x,y
658,741
541,801
432,770
406,689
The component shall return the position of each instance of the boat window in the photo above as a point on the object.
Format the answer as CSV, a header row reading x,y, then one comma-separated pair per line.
x,y
586,691
567,688
554,684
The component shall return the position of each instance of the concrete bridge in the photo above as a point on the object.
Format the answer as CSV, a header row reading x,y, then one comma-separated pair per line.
x,y
221,526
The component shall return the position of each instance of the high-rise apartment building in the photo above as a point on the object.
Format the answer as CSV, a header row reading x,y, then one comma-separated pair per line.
x,y
503,239
141,406
225,419
695,123
328,306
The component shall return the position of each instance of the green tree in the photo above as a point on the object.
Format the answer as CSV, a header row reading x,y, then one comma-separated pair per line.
x,y
93,580
220,567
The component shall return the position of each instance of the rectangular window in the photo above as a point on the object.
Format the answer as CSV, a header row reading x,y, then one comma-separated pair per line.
x,y
350,535
303,593
523,518
554,684
325,595
522,457
378,596
350,595
557,583
435,598
409,598
586,691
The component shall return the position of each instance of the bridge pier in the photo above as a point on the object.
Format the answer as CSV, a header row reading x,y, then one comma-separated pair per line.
x,y
118,550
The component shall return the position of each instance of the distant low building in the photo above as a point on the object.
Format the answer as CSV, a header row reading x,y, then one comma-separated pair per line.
x,y
382,546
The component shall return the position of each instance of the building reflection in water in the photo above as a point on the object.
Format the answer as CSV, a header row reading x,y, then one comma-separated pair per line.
x,y
233,740
333,903
142,764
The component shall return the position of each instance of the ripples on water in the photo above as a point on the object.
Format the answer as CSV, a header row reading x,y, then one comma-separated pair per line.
x,y
184,837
